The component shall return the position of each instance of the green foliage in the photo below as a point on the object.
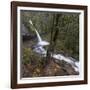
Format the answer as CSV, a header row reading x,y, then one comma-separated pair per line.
x,y
33,62
67,40
27,53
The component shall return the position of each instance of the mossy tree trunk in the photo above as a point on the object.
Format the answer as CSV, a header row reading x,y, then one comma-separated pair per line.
x,y
53,38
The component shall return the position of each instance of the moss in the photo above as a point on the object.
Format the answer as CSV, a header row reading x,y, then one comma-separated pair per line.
x,y
27,53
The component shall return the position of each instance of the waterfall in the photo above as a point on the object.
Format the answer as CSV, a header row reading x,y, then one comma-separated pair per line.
x,y
38,36
40,41
39,46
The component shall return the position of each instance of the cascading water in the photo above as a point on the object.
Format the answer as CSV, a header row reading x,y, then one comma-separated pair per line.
x,y
40,49
75,64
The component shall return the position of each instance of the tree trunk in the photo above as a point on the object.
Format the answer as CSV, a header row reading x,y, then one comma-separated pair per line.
x,y
54,34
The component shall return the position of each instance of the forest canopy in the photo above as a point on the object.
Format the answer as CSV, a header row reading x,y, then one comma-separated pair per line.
x,y
68,25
